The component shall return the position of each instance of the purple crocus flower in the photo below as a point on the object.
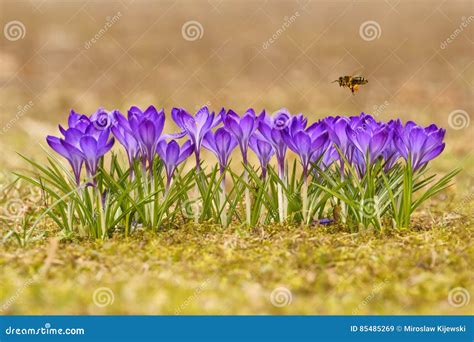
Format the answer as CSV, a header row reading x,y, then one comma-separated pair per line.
x,y
93,145
73,155
390,152
306,143
147,127
421,144
172,155
123,132
65,146
363,120
271,129
336,128
196,127
264,152
81,144
76,120
221,143
329,155
368,140
241,128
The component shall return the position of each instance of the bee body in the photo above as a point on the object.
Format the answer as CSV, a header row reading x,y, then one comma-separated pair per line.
x,y
351,82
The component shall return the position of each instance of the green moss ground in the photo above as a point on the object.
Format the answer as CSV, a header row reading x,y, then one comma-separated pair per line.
x,y
206,270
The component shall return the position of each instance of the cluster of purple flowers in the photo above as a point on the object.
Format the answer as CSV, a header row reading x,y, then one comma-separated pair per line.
x,y
357,140
85,141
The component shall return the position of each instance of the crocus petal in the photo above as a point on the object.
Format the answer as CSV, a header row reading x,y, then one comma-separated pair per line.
x,y
320,142
432,154
161,149
147,134
103,149
247,123
231,123
177,116
158,119
208,124
150,111
56,145
202,116
103,137
89,148
222,140
73,136
377,144
134,110
417,139
303,145
209,143
76,158
265,130
172,153
186,151
289,140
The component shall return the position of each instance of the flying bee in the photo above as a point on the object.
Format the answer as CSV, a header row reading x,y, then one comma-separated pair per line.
x,y
351,82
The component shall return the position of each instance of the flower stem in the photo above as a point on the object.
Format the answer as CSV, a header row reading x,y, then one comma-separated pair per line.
x,y
144,179
196,199
281,174
152,204
304,195
247,198
168,185
222,202
100,212
196,187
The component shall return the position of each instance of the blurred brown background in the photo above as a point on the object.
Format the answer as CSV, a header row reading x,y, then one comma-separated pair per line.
x,y
57,55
